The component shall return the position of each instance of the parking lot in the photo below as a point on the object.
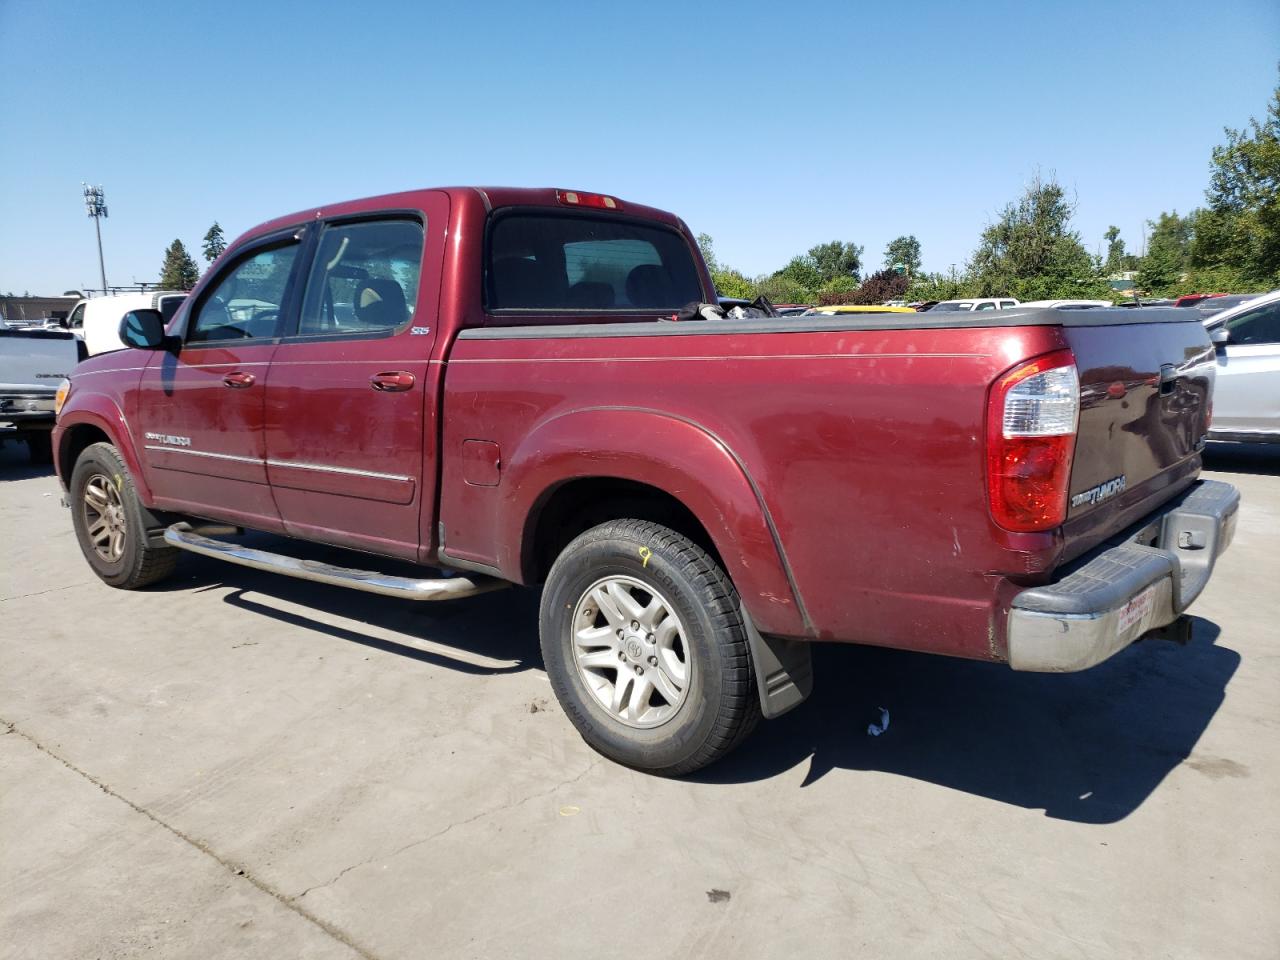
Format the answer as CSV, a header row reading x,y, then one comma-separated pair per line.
x,y
240,765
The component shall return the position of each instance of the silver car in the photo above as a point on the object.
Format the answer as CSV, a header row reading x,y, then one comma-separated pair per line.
x,y
1246,399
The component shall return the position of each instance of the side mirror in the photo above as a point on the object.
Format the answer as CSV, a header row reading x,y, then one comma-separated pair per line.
x,y
143,329
1220,337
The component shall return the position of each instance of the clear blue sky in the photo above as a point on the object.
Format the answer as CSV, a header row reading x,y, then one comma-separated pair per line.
x,y
770,126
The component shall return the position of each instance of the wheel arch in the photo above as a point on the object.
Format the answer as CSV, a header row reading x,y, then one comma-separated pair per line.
x,y
570,469
95,419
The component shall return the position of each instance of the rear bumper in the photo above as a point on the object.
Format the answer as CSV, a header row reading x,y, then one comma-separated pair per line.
x,y
1138,584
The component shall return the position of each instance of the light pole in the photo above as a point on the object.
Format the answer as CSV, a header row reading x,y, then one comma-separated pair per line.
x,y
95,204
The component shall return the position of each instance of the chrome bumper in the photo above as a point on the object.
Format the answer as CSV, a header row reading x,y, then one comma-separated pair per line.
x,y
1129,589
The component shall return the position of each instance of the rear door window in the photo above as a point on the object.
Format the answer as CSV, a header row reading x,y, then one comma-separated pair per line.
x,y
364,279
565,263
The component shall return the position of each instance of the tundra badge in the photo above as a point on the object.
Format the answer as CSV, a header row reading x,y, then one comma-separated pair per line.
x,y
1103,491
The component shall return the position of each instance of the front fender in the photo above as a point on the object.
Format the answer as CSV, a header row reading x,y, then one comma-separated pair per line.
x,y
100,411
675,455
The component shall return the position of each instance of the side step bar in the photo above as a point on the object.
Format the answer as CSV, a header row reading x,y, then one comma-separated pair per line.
x,y
182,535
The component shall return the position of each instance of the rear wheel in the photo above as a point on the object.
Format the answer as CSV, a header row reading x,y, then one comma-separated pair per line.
x,y
644,644
111,523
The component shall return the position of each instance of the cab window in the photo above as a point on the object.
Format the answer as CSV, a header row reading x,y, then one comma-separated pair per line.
x,y
246,301
76,320
364,279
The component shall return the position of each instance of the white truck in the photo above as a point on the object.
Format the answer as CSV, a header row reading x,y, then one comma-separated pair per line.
x,y
97,320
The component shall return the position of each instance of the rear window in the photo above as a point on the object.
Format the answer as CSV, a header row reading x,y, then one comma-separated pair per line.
x,y
562,262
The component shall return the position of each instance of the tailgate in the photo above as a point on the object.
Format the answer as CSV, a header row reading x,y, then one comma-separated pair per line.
x,y
35,361
1145,390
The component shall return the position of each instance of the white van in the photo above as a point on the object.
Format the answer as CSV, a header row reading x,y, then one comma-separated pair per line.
x,y
97,321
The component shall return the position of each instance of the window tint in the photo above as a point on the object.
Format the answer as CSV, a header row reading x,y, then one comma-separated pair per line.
x,y
246,300
1257,326
563,262
1007,304
364,279
985,306
76,320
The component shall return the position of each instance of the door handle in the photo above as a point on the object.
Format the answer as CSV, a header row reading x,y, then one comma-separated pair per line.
x,y
239,380
396,381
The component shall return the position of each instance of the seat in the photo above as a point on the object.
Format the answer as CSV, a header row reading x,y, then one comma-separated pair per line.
x,y
649,286
379,303
586,295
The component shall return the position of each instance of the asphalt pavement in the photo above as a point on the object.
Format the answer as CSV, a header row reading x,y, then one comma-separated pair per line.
x,y
234,764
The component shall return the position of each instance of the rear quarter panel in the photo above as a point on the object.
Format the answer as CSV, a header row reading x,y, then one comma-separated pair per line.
x,y
865,447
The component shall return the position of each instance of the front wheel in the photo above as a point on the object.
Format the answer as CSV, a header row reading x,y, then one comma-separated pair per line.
x,y
111,523
643,642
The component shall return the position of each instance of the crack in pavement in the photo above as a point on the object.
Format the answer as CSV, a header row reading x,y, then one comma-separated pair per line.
x,y
237,871
458,823
41,593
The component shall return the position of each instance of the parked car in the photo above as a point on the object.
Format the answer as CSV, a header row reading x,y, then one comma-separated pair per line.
x,y
97,319
1210,308
973,304
702,493
34,362
850,309
1246,403
1194,299
1065,304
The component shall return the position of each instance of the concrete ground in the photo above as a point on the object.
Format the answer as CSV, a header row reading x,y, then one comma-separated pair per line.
x,y
239,765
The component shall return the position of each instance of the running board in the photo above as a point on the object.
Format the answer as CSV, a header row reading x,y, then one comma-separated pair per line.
x,y
182,535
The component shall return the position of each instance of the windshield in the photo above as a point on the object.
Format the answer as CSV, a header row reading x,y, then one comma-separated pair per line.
x,y
565,262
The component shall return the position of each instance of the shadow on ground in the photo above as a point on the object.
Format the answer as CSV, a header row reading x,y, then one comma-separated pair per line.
x,y
488,634
15,463
1263,458
1088,747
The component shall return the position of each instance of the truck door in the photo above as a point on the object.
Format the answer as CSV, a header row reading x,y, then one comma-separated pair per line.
x,y
200,407
350,400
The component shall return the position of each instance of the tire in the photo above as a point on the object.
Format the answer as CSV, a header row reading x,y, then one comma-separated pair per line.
x,y
688,689
39,447
102,491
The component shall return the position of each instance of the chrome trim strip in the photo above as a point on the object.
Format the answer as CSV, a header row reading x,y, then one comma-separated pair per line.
x,y
182,536
731,356
202,453
346,471
317,467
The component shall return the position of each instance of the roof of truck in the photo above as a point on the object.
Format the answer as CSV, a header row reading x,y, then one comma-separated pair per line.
x,y
492,198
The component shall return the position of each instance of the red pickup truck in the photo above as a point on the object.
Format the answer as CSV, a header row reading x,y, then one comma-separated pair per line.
x,y
540,387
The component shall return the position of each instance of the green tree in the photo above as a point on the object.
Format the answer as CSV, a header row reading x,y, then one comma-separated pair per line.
x,y
1032,253
215,243
1168,253
834,259
904,252
1240,230
1115,251
179,271
731,283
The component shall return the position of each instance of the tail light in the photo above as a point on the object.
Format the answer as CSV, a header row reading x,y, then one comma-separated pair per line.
x,y
1032,419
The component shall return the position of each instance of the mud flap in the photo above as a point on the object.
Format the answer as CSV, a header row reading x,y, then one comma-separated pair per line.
x,y
784,670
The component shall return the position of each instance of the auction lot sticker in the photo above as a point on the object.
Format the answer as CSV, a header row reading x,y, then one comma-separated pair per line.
x,y
1137,608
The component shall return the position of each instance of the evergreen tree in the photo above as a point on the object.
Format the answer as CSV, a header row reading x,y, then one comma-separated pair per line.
x,y
214,243
179,271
